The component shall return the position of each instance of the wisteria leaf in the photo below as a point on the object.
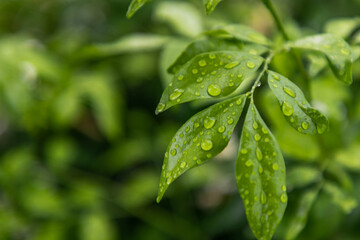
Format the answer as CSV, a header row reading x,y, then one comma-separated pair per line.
x,y
261,176
214,44
296,109
302,176
209,75
210,5
342,27
340,197
336,50
135,5
241,32
202,137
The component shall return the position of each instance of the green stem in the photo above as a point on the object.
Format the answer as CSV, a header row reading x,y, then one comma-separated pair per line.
x,y
276,17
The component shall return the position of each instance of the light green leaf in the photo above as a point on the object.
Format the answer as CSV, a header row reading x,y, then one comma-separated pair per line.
x,y
209,75
341,198
299,219
301,176
260,174
336,50
213,44
295,107
349,157
135,5
342,27
241,32
210,5
182,16
202,137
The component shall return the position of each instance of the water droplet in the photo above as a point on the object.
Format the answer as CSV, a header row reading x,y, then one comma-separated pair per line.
x,y
231,65
238,102
263,198
292,119
206,145
231,84
287,109
261,170
248,163
276,77
275,85
209,122
202,63
213,72
199,80
208,155
264,130
214,90
289,91
160,107
305,125
173,152
255,125
257,137
239,76
244,151
275,166
283,198
250,65
221,129
345,51
212,56
259,155
196,125
198,162
230,121
168,180
176,94
187,129
183,164
195,71
181,77
283,188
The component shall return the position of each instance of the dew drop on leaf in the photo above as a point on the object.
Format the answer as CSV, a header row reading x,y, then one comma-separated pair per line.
x,y
250,65
206,145
287,109
289,92
214,90
231,65
176,94
221,129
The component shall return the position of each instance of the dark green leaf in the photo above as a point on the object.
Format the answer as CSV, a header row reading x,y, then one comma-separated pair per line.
x,y
209,75
202,137
301,176
299,219
241,32
210,5
135,5
213,44
336,50
340,197
260,174
295,107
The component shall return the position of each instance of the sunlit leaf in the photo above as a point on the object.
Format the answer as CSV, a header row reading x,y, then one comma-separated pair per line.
x,y
349,157
302,176
296,109
182,16
341,197
260,174
135,5
213,44
299,219
202,137
336,50
210,5
209,75
342,27
241,32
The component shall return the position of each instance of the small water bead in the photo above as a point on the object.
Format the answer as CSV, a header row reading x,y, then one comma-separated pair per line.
x,y
208,155
214,90
345,51
259,154
231,84
289,91
173,152
196,125
202,63
287,109
212,56
275,85
231,65
221,129
187,129
201,133
264,130
248,163
176,94
183,164
276,77
199,80
213,72
209,122
195,71
160,107
255,125
250,65
181,77
261,170
206,145
283,188
283,198
257,137
238,102
305,125
195,139
230,121
275,166
263,198
168,180
266,139
198,162
292,119
239,76
244,151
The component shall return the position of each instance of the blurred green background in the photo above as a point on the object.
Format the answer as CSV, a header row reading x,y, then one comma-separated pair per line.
x,y
81,148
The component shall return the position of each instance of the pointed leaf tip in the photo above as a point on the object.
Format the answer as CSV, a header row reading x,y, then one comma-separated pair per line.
x,y
134,6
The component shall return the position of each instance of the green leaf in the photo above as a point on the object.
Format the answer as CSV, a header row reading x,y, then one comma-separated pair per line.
x,y
336,50
342,27
135,5
302,176
202,137
340,197
296,109
241,32
260,174
213,44
349,157
209,75
299,219
210,5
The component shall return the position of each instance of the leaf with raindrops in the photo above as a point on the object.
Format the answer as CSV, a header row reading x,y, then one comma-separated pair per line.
x,y
296,109
260,174
135,5
241,32
336,50
202,137
210,5
214,44
209,75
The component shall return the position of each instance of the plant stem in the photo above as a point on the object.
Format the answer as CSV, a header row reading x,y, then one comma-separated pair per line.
x,y
276,17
